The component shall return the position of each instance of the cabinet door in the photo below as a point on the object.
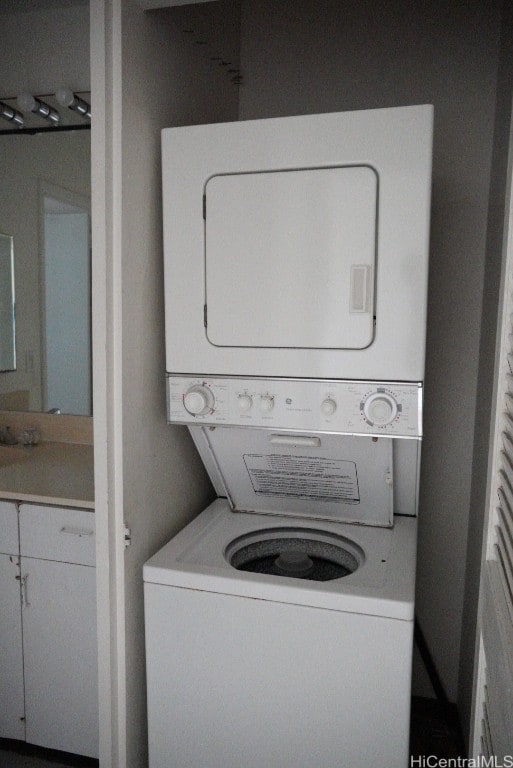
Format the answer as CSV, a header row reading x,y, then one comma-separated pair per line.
x,y
60,654
12,724
9,541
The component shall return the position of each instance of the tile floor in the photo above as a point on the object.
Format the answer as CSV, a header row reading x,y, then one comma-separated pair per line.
x,y
435,729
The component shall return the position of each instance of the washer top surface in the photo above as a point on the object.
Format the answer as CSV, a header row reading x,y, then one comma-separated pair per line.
x,y
381,584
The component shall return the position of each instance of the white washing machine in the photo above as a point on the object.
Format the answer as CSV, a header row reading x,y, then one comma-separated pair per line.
x,y
279,623
251,670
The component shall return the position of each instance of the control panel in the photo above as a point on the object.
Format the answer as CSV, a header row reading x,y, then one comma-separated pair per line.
x,y
340,407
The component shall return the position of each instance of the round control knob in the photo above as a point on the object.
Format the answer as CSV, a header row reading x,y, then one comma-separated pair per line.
x,y
199,400
244,402
328,407
266,403
380,408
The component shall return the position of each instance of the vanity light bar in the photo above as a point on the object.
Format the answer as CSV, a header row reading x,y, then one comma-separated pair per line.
x,y
29,103
12,115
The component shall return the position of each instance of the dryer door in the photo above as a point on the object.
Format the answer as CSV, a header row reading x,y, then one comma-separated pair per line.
x,y
290,258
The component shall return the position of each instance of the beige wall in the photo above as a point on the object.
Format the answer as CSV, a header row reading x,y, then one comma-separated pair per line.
x,y
166,81
41,50
307,57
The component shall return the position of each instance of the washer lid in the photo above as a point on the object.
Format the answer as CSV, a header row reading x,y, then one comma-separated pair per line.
x,y
316,476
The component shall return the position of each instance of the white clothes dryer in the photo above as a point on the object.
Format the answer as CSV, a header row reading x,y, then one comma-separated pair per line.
x,y
298,246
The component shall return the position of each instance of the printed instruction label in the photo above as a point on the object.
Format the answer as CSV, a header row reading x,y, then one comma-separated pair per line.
x,y
303,477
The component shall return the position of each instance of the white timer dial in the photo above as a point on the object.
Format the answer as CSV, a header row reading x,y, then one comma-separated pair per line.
x,y
244,402
328,407
380,409
199,400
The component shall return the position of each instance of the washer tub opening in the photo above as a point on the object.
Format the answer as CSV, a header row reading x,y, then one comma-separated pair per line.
x,y
300,553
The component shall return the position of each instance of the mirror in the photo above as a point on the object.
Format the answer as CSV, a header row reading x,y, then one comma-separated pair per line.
x,y
7,331
45,205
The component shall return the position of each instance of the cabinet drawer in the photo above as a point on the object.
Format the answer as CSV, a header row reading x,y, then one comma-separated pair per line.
x,y
57,533
8,528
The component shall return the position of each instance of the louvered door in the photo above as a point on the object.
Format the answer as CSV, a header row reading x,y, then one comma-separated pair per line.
x,y
493,690
503,546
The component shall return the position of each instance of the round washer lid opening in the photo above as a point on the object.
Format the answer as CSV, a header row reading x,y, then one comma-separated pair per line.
x,y
300,553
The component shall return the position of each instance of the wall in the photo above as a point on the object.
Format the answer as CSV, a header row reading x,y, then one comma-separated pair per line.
x,y
148,474
43,49
26,163
307,57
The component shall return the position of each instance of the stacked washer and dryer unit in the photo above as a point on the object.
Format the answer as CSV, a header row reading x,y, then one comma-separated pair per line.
x,y
279,623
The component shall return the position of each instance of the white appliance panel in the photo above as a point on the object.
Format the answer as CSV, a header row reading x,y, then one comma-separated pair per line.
x,y
397,143
290,258
271,684
350,407
406,470
327,477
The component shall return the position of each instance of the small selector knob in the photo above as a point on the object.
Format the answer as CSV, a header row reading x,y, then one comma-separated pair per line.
x,y
328,407
244,402
199,400
380,409
266,403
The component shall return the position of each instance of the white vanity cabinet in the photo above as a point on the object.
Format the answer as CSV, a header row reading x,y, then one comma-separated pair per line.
x,y
57,549
12,719
48,647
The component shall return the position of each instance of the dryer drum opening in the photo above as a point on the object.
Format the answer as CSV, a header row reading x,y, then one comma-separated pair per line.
x,y
296,557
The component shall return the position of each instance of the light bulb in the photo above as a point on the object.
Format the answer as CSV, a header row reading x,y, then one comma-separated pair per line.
x,y
27,102
65,96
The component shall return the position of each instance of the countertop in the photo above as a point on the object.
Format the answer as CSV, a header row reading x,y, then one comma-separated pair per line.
x,y
48,473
